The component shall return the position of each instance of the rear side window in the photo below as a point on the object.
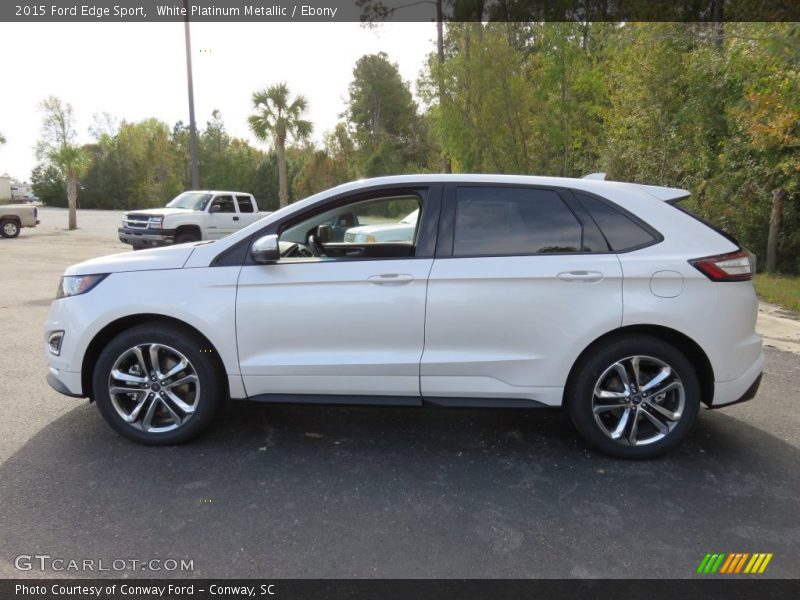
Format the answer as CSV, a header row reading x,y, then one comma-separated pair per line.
x,y
245,204
621,232
492,221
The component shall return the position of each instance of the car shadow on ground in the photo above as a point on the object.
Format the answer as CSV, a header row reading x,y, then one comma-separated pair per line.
x,y
314,491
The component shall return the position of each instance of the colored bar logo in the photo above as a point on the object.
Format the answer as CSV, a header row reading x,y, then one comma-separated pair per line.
x,y
735,563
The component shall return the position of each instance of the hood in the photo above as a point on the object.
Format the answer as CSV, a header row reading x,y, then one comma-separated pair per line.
x,y
168,257
160,211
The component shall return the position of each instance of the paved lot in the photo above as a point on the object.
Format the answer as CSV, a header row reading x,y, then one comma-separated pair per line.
x,y
363,492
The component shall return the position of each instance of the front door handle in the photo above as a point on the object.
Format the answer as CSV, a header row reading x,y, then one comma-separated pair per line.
x,y
391,279
235,218
581,276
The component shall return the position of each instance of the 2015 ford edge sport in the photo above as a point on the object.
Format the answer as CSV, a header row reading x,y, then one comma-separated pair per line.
x,y
601,297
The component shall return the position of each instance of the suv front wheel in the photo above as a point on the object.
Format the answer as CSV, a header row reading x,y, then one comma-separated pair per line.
x,y
157,384
634,397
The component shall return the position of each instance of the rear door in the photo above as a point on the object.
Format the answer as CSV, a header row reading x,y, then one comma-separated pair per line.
x,y
247,210
521,282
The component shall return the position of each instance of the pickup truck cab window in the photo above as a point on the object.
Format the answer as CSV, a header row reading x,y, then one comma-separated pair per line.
x,y
245,204
225,203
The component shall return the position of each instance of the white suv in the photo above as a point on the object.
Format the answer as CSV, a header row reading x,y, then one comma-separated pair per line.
x,y
601,297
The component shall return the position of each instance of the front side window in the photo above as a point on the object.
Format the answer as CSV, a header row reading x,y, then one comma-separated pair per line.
x,y
225,204
383,227
495,221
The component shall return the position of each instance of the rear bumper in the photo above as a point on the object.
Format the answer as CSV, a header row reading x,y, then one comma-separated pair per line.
x,y
146,237
740,389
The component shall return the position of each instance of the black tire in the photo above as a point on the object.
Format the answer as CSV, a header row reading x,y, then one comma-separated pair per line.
x,y
185,238
9,228
137,247
206,396
597,369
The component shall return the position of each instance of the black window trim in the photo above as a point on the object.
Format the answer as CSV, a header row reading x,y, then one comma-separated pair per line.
x,y
652,231
446,238
430,195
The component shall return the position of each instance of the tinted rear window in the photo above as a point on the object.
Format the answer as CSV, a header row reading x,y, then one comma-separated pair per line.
x,y
512,221
245,204
622,232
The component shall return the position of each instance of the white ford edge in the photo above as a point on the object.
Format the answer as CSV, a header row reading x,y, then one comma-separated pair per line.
x,y
601,297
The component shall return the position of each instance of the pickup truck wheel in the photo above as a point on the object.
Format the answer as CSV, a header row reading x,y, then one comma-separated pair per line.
x,y
155,385
9,229
185,238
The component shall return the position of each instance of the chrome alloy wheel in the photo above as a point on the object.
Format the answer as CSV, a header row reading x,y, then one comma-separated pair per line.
x,y
638,400
154,388
9,228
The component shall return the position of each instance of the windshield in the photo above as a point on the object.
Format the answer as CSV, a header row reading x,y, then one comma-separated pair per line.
x,y
190,200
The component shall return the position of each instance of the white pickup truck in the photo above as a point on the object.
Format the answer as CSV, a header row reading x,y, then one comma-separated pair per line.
x,y
13,217
190,217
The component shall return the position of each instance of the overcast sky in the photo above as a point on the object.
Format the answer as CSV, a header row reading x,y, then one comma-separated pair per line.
x,y
138,70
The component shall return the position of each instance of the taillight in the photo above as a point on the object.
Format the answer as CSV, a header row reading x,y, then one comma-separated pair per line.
x,y
734,266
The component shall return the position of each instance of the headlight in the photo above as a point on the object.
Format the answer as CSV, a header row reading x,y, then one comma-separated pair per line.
x,y
155,222
73,285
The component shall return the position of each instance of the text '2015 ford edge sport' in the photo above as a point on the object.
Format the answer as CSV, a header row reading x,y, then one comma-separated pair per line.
x,y
513,291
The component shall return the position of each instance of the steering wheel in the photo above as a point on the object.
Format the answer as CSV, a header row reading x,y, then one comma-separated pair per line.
x,y
297,250
316,247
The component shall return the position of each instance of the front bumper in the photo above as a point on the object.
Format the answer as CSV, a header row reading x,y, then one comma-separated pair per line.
x,y
65,383
146,237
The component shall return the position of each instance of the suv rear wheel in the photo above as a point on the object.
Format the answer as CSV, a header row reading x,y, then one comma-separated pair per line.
x,y
155,385
635,397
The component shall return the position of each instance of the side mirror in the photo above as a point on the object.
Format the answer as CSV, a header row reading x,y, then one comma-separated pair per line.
x,y
324,234
215,208
265,250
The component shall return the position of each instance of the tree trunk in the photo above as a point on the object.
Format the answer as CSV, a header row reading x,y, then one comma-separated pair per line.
x,y
775,222
283,188
718,18
72,198
447,166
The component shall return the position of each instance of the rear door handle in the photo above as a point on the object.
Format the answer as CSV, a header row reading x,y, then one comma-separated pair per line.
x,y
581,276
391,279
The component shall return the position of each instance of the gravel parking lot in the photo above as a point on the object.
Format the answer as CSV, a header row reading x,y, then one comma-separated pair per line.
x,y
283,491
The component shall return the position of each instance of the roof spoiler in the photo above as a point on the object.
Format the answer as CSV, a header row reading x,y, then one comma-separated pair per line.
x,y
666,194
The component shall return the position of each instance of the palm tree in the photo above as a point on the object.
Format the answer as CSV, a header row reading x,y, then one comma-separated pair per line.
x,y
276,117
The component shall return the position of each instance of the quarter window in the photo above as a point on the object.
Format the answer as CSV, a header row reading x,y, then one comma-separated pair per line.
x,y
622,232
493,221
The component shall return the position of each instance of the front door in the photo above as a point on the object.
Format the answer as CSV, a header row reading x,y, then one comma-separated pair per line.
x,y
222,217
337,320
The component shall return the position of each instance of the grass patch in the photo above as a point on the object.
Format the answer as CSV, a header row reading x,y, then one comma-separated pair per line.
x,y
779,289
